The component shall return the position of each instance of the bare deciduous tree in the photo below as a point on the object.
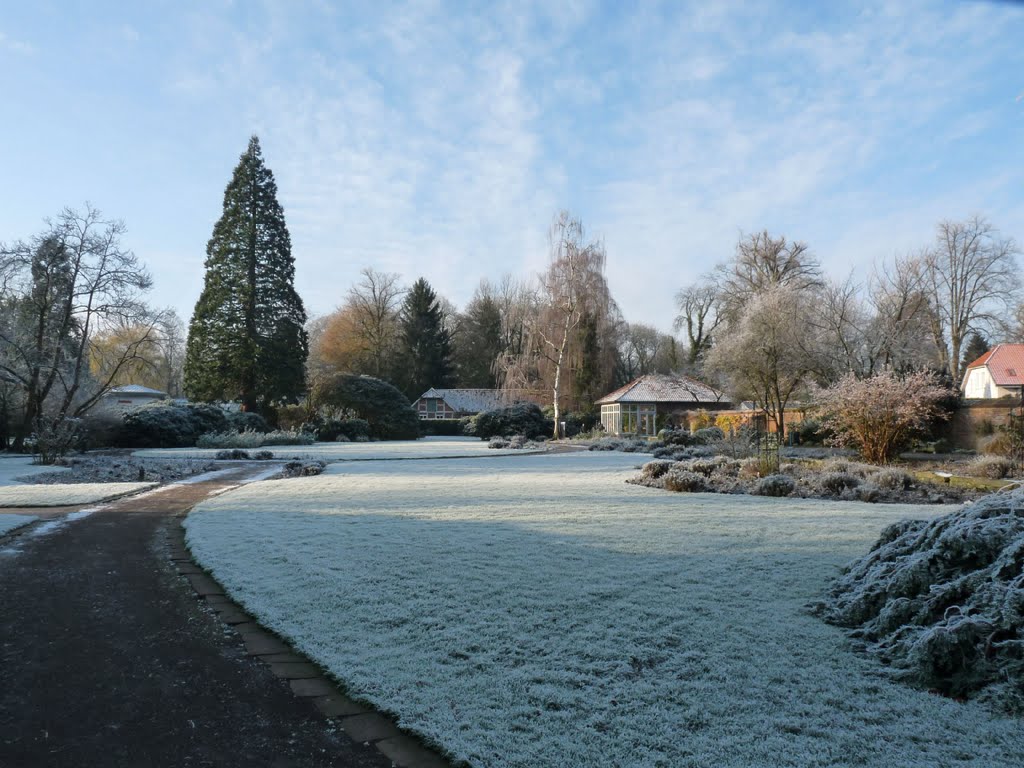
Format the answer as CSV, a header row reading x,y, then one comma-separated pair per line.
x,y
770,351
972,278
59,292
763,262
573,288
698,307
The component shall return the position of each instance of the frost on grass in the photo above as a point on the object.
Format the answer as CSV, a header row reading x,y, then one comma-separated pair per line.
x,y
10,522
65,495
942,601
539,611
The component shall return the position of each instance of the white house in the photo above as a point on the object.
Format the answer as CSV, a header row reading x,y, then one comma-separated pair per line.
x,y
997,373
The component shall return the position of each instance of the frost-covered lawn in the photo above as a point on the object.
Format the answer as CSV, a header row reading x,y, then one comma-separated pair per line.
x,y
424,448
539,611
9,522
65,495
12,469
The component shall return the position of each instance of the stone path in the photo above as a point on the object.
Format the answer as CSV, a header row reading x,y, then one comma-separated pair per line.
x,y
117,650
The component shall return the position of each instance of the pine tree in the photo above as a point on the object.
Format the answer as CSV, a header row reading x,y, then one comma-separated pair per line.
x,y
478,344
976,347
425,342
246,339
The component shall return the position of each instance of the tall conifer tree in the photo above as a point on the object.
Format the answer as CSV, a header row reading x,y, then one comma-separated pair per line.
x,y
246,340
426,343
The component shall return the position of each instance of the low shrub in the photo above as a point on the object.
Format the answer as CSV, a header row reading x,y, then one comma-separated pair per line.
x,y
942,601
520,419
656,468
263,455
993,467
303,468
709,434
247,421
678,437
774,485
234,454
498,442
442,427
250,439
685,481
868,492
891,479
162,425
837,482
999,444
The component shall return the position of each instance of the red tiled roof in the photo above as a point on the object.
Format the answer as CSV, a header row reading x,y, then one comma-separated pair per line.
x,y
1005,363
659,388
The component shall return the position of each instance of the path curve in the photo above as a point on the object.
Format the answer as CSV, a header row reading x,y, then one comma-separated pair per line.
x,y
108,657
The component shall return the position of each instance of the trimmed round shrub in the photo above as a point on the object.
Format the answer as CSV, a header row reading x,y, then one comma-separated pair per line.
x,y
685,481
525,419
160,425
247,421
208,418
354,429
382,406
774,485
709,434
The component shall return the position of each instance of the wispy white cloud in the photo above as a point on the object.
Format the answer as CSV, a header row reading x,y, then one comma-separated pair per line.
x,y
21,47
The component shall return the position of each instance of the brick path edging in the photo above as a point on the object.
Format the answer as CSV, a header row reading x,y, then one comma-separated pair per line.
x,y
303,676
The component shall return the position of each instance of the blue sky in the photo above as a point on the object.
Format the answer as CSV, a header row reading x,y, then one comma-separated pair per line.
x,y
439,139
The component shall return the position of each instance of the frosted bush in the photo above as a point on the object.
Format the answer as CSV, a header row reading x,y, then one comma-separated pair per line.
x,y
774,485
709,434
250,438
847,467
837,482
656,468
892,479
233,454
607,444
994,467
942,601
868,492
497,442
678,479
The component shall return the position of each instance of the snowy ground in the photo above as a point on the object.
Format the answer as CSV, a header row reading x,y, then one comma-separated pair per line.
x,y
65,495
539,611
12,469
9,522
424,448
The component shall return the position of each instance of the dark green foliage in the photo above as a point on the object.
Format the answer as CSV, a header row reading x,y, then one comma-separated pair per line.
x,y
329,430
207,418
477,344
246,339
162,425
446,427
247,421
425,344
976,347
524,419
381,405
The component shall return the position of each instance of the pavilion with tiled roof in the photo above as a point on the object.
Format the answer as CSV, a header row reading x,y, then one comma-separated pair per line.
x,y
636,407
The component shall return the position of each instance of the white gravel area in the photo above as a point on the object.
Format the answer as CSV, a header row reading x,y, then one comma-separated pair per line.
x,y
10,522
539,611
65,495
424,448
13,469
